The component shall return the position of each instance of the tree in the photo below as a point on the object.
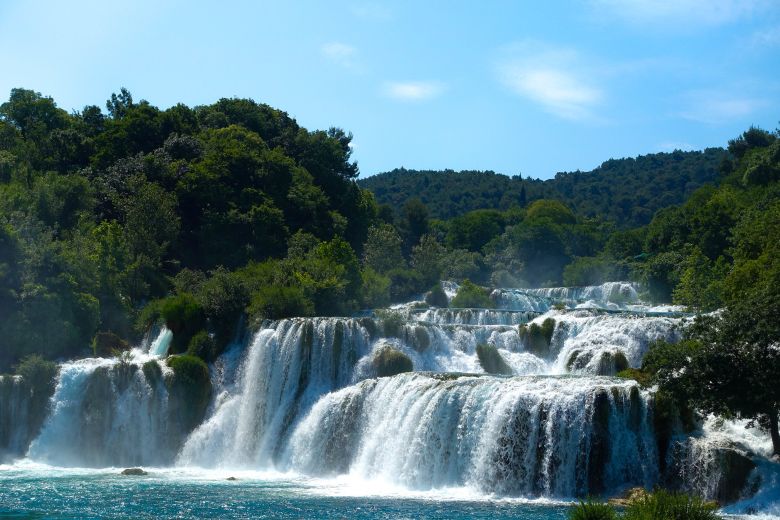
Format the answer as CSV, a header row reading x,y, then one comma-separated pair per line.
x,y
382,251
415,221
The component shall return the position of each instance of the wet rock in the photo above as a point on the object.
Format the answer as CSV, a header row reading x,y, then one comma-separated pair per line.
x,y
232,479
491,360
390,361
135,472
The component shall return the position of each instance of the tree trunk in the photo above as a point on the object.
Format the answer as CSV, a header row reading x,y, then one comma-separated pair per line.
x,y
773,430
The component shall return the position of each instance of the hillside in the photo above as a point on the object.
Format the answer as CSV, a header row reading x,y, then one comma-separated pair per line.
x,y
626,191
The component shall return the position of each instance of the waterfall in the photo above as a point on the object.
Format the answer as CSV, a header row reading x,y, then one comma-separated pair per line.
x,y
161,344
521,436
303,395
286,369
15,427
108,412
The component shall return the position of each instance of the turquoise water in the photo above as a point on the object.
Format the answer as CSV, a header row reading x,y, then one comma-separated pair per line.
x,y
61,494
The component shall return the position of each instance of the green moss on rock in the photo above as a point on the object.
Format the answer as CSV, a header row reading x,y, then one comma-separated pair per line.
x,y
190,389
491,360
390,361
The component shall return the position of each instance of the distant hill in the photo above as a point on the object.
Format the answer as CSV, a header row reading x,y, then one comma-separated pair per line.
x,y
626,191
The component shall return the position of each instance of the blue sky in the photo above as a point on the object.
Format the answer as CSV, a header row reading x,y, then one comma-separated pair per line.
x,y
519,87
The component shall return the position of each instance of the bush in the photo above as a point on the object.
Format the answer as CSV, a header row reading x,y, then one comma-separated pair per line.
x,y
183,316
392,323
405,283
471,295
538,337
436,297
591,510
390,361
376,289
203,346
39,374
643,378
665,505
107,344
276,302
190,387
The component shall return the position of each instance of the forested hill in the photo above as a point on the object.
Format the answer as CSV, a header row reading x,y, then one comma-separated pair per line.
x,y
626,191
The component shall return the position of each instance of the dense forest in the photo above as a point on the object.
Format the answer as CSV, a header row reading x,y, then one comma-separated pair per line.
x,y
625,191
203,218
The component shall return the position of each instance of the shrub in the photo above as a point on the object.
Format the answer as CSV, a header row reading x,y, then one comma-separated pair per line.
x,y
390,361
183,316
276,302
190,387
538,337
436,297
471,295
591,510
203,346
663,504
392,323
40,376
376,288
641,377
405,283
106,344
491,360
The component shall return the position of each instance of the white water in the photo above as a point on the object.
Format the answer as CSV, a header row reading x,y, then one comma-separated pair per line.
x,y
302,397
161,344
525,436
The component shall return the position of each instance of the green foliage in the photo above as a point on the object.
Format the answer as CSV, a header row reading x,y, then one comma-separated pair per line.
x,y
191,387
392,323
405,283
591,510
471,295
475,229
626,191
39,374
376,289
538,337
184,316
668,505
203,346
390,361
270,302
491,361
436,297
640,376
108,344
592,271
382,250
99,213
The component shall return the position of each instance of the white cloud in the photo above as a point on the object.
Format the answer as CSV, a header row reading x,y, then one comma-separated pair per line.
x,y
699,12
553,78
413,90
713,107
340,53
372,11
766,38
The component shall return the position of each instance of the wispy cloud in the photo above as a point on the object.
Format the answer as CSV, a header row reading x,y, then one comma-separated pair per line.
x,y
372,11
340,53
766,37
413,90
716,107
700,12
552,78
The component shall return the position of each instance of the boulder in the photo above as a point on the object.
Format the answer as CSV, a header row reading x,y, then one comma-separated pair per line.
x,y
135,472
390,361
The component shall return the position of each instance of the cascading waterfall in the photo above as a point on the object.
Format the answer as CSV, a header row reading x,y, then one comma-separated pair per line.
x,y
108,412
303,396
520,436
